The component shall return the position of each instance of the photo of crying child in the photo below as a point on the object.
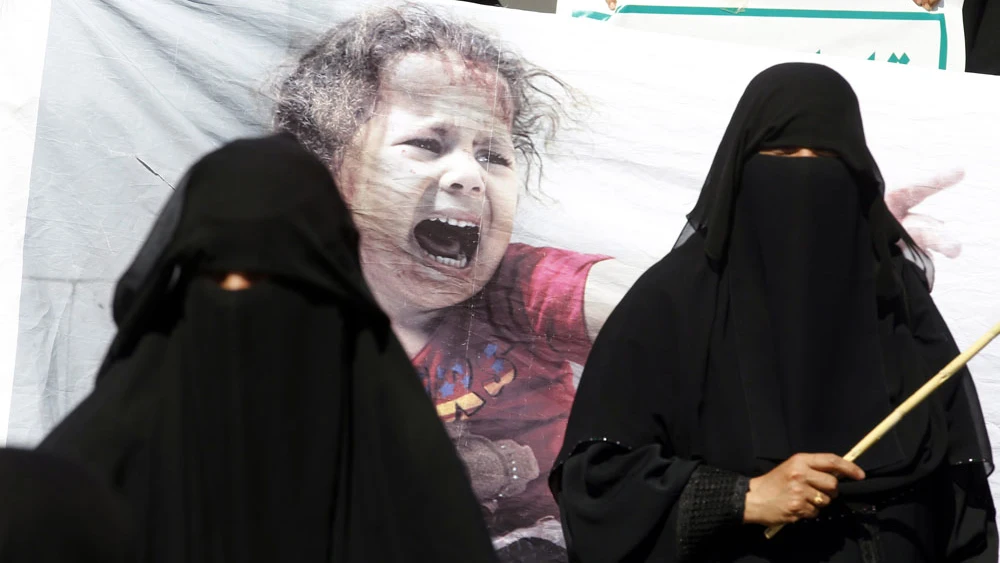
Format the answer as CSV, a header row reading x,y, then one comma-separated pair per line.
x,y
434,131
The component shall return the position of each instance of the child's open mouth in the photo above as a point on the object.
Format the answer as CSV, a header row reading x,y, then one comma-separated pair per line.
x,y
447,241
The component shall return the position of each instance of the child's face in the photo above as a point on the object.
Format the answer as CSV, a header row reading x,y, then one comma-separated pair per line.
x,y
432,183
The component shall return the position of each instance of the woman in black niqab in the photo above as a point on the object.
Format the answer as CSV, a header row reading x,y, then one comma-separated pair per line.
x,y
280,422
791,317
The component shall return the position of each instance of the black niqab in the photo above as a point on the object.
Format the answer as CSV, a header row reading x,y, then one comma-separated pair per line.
x,y
798,105
802,292
784,310
282,422
811,265
787,319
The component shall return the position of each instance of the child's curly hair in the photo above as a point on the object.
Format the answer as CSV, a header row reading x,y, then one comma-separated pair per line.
x,y
333,90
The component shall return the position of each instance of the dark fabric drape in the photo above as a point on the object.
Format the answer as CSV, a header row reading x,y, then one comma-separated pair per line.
x,y
787,320
282,422
982,36
53,511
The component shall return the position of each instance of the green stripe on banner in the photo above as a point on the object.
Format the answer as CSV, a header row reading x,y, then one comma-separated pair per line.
x,y
787,13
590,15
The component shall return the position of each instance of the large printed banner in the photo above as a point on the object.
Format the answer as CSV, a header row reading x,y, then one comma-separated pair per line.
x,y
508,190
895,31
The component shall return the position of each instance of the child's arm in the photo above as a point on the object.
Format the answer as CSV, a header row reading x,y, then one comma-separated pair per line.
x,y
607,283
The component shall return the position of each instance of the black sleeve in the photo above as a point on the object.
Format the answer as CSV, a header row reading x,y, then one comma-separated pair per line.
x,y
713,502
620,505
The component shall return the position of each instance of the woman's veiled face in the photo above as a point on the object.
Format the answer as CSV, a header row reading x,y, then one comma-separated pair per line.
x,y
235,281
798,152
432,183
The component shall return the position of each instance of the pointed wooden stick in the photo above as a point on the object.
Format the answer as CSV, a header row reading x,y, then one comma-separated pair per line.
x,y
915,399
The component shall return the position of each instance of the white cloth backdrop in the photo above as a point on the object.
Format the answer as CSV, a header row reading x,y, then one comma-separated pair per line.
x,y
131,86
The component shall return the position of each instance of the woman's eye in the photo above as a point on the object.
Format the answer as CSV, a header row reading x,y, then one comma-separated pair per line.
x,y
488,157
429,145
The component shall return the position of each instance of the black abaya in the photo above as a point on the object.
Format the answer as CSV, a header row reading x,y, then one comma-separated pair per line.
x,y
282,422
53,511
786,320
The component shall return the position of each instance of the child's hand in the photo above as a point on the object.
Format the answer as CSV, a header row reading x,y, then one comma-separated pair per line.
x,y
925,4
929,233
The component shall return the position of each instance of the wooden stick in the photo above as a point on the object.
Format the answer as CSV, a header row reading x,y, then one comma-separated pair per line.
x,y
915,399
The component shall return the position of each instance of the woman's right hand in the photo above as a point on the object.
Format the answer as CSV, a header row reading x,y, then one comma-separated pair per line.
x,y
796,489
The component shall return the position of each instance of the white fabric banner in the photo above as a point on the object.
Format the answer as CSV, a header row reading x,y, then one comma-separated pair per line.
x,y
896,31
134,91
23,34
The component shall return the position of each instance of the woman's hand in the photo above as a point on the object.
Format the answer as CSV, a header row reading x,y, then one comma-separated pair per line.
x,y
612,4
796,489
926,4
929,233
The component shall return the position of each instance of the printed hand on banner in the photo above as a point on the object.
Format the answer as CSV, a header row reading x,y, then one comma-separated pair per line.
x,y
926,4
929,233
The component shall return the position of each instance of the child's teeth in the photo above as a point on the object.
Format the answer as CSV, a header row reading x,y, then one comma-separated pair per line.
x,y
454,263
453,222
